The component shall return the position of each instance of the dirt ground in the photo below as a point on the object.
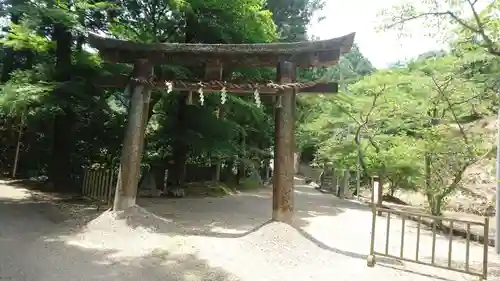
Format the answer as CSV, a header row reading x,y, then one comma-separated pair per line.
x,y
476,197
227,239
473,202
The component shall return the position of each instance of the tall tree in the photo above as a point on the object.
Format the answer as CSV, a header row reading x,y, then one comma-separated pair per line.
x,y
292,17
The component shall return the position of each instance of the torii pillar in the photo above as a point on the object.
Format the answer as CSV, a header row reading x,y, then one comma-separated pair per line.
x,y
284,143
130,160
288,56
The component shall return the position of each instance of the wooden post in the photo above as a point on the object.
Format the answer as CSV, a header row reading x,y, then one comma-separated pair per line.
x,y
296,162
145,111
371,257
344,184
128,179
284,146
335,181
377,194
18,145
146,99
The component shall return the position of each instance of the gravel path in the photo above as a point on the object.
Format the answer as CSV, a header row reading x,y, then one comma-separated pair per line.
x,y
205,239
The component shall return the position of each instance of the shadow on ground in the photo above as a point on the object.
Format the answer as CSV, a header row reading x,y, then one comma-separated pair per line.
x,y
41,186
207,217
92,264
42,246
248,210
249,213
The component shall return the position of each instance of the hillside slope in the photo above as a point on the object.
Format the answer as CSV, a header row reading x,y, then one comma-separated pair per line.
x,y
477,196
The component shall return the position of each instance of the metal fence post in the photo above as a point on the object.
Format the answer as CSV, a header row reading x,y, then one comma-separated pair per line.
x,y
371,256
429,220
486,242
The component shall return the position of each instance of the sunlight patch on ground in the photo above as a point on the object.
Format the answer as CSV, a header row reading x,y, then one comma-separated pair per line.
x,y
13,193
330,239
225,230
123,243
308,193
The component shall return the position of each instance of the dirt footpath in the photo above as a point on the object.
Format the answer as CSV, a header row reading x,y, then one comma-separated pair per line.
x,y
37,243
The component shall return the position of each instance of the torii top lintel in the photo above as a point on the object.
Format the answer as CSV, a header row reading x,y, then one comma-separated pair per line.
x,y
303,54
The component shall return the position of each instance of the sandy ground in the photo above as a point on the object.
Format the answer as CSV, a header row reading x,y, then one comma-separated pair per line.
x,y
471,203
211,239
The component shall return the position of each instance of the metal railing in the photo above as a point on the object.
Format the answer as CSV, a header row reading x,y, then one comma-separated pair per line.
x,y
435,229
98,184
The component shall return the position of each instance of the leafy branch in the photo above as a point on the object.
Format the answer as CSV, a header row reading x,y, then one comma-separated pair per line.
x,y
479,26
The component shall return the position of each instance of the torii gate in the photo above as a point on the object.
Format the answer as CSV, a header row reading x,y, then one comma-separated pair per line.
x,y
214,58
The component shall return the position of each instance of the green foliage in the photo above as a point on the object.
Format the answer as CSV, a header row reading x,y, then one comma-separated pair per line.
x,y
23,92
292,17
476,21
23,37
169,21
352,67
72,122
412,125
415,123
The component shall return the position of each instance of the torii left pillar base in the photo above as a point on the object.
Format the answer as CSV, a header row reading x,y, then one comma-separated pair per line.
x,y
284,143
128,176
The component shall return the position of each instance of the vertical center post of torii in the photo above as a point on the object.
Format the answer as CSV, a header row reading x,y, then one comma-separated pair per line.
x,y
284,143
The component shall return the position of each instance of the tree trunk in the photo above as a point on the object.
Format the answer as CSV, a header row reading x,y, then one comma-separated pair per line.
x,y
29,59
437,203
213,71
427,172
60,166
436,206
159,170
218,164
64,121
8,65
18,146
217,171
180,147
380,193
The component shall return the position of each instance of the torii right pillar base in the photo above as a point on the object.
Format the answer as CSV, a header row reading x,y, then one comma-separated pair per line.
x,y
283,146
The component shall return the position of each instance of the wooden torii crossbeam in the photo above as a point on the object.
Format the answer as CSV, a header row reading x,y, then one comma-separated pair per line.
x,y
215,86
286,57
